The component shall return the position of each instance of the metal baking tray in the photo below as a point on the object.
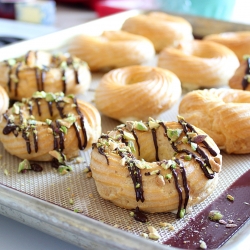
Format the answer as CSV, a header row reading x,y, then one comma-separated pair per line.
x,y
41,200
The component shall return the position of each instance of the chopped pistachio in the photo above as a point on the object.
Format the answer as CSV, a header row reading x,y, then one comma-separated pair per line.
x,y
71,201
144,235
180,118
50,97
174,134
191,134
71,96
187,157
230,197
76,210
168,176
153,234
182,212
184,139
60,157
131,146
16,108
203,244
215,215
64,129
128,136
25,164
64,169
153,124
140,126
39,94
194,146
154,172
6,172
137,185
132,214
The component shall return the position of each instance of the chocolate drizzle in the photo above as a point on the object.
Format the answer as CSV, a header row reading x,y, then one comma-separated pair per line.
x,y
27,126
177,166
40,71
155,144
245,81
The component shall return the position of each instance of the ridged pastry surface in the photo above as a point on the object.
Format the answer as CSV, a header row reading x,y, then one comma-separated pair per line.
x,y
137,92
200,63
112,49
223,114
42,71
155,166
162,29
238,42
4,100
49,122
241,79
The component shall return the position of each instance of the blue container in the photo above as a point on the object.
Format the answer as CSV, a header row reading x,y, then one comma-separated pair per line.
x,y
218,9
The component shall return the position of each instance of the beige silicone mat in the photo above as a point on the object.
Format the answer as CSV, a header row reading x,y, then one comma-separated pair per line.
x,y
77,192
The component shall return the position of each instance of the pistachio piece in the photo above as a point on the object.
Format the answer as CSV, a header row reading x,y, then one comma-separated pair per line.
x,y
153,123
187,157
16,108
182,212
174,134
50,97
131,146
128,136
194,146
39,94
153,234
230,197
64,129
140,126
25,164
168,176
64,169
48,121
215,215
59,156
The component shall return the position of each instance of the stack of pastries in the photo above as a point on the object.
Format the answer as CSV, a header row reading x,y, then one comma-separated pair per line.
x,y
144,163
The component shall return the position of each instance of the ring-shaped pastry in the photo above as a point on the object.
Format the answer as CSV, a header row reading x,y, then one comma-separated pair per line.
x,y
161,29
200,63
238,42
4,101
137,92
49,125
241,77
112,49
42,71
223,114
155,166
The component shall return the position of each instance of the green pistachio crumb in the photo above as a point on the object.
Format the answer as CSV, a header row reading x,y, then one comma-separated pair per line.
x,y
132,214
48,121
168,176
25,164
71,201
137,185
194,146
187,157
230,197
182,212
174,134
64,129
128,136
131,146
39,94
50,97
140,126
215,215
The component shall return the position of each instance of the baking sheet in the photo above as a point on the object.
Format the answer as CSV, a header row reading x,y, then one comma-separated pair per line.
x,y
42,200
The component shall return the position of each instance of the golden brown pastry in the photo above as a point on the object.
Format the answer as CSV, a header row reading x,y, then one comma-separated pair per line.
x,y
155,166
112,49
223,114
42,71
49,125
4,101
238,42
162,29
200,63
241,77
137,92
